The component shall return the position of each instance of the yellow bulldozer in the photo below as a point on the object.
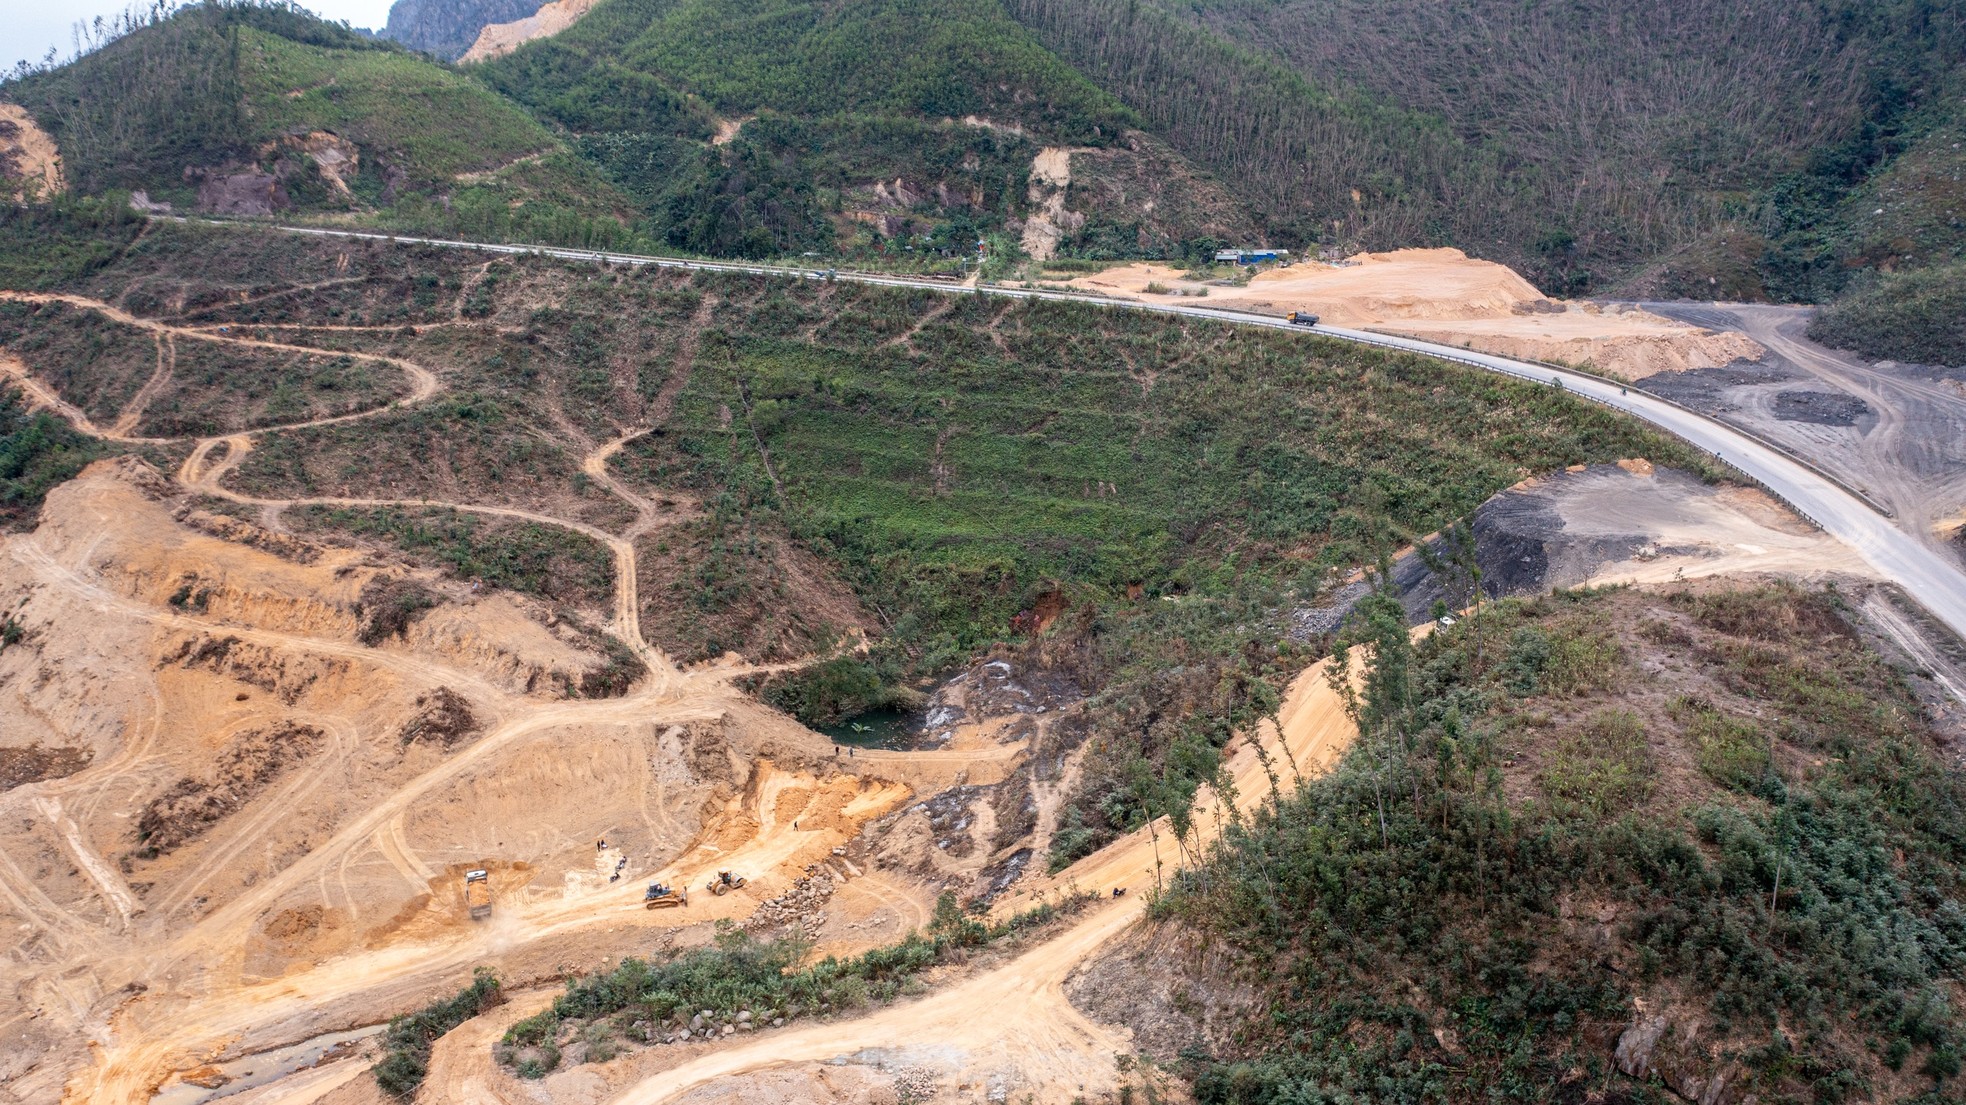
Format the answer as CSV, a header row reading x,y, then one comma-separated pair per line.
x,y
664,896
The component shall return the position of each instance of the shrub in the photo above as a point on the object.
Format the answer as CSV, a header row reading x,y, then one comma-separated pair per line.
x,y
407,1041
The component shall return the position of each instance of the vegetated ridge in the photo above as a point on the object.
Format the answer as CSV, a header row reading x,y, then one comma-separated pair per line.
x,y
1603,844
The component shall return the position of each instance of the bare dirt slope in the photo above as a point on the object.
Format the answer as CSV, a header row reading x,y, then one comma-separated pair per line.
x,y
503,38
27,155
1445,296
1010,1032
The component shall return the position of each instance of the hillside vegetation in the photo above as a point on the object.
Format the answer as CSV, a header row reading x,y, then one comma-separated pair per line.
x,y
871,129
829,457
1917,316
1599,845
1573,142
260,108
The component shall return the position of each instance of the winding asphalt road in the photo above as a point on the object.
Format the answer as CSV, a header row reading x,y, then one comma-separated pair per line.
x,y
1935,582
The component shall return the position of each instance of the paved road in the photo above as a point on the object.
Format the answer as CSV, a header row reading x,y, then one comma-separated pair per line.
x,y
1928,576
1908,453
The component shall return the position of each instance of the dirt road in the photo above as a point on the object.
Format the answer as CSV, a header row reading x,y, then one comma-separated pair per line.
x,y
1907,451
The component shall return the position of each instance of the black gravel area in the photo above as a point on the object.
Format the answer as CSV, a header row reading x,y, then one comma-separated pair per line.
x,y
1823,408
1705,389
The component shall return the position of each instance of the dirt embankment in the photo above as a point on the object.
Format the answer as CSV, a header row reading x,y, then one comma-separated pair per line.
x,y
499,39
28,157
1443,295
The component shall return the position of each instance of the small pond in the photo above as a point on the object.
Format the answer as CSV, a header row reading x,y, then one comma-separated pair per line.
x,y
893,729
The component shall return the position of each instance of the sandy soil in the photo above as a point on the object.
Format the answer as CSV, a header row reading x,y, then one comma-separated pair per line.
x,y
329,894
1011,1029
503,38
1445,296
26,151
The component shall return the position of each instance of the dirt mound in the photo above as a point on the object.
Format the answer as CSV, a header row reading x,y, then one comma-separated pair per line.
x,y
1623,342
1445,296
240,771
443,717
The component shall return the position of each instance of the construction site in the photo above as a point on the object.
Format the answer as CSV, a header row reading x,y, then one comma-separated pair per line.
x,y
269,788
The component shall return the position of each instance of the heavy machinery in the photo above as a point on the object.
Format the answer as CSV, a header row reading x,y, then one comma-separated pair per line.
x,y
724,883
663,896
477,893
1301,318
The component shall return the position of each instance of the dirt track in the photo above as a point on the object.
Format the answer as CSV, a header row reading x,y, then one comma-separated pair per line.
x,y
190,1010
1906,451
1013,1025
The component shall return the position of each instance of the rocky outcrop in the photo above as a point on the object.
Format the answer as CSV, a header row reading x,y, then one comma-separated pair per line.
x,y
447,28
1667,1048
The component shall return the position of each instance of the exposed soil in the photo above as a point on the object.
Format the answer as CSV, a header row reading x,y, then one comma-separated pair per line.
x,y
1623,523
503,38
1444,296
27,155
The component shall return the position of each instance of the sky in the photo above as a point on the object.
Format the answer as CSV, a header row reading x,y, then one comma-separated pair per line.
x,y
29,27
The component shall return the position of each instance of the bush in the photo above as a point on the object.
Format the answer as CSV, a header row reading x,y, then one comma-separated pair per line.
x,y
407,1041
1917,316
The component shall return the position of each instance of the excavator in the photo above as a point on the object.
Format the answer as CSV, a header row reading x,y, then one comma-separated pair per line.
x,y
664,896
724,883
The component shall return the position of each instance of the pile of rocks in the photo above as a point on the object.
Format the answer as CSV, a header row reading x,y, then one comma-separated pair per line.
x,y
707,1024
914,1084
800,905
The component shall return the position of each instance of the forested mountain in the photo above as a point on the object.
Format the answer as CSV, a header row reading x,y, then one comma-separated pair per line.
x,y
1742,150
1575,141
256,109
907,118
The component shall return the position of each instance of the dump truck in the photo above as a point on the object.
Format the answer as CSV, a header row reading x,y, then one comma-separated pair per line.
x,y
724,883
1301,318
477,893
660,896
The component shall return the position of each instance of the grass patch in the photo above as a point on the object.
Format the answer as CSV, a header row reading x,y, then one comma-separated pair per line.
x,y
531,558
1603,768
739,973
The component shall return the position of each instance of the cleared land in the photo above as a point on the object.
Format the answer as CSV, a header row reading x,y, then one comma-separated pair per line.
x,y
357,660
1443,296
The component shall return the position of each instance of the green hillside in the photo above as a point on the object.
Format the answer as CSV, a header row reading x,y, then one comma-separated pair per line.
x,y
258,108
878,128
1614,846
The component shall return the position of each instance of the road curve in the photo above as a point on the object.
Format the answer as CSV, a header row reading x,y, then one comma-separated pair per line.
x,y
1936,583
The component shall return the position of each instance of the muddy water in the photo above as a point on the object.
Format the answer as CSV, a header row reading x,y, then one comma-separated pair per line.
x,y
252,1071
